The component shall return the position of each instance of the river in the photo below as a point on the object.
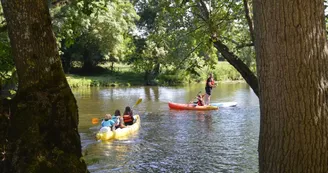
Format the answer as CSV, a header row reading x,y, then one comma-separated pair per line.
x,y
223,140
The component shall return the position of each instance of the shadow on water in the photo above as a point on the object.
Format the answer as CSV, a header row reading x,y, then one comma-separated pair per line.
x,y
224,140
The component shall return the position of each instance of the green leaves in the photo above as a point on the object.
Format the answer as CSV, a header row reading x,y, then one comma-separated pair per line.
x,y
101,28
6,60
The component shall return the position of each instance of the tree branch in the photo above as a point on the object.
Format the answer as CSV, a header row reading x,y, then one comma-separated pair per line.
x,y
239,46
244,45
238,64
204,9
249,20
195,29
193,50
202,17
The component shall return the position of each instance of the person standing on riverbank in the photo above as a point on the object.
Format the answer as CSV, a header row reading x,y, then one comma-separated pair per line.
x,y
210,83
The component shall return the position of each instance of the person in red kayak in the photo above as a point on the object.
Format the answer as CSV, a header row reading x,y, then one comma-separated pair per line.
x,y
210,83
200,101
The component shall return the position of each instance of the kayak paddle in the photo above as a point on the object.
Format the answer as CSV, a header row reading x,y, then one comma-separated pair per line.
x,y
96,120
138,102
191,101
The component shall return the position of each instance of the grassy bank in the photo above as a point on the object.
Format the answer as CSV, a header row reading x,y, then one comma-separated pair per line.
x,y
124,76
226,72
106,80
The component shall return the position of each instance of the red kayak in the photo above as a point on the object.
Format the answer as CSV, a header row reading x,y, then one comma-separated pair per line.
x,y
180,106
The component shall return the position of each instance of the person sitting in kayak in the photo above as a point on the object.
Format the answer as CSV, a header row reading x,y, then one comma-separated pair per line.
x,y
108,122
200,101
118,119
128,116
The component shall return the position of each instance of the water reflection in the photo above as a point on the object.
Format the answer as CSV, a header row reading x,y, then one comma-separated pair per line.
x,y
224,140
151,93
102,155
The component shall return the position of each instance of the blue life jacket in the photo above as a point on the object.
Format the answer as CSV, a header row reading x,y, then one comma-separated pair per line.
x,y
115,119
107,123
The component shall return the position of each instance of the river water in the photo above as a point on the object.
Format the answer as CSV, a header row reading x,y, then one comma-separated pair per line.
x,y
223,140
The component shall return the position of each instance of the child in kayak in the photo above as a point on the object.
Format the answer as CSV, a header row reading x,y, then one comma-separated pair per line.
x,y
200,101
128,116
118,119
108,122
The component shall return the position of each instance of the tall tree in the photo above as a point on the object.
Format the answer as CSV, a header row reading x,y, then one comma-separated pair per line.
x,y
101,28
292,61
43,134
213,21
197,27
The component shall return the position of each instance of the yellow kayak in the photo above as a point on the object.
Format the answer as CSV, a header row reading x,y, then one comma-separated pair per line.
x,y
105,133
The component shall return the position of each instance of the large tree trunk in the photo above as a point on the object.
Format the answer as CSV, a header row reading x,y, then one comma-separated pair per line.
x,y
292,66
43,135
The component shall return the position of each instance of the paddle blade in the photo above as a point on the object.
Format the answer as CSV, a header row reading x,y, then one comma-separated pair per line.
x,y
138,102
95,120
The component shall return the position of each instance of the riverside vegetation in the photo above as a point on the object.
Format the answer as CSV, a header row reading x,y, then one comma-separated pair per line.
x,y
123,75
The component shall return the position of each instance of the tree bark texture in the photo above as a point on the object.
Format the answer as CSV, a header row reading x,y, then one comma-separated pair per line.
x,y
292,63
43,134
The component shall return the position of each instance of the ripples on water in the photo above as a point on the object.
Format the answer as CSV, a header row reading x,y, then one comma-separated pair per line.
x,y
174,141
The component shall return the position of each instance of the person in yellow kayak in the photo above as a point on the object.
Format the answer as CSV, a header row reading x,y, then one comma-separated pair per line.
x,y
128,116
119,123
210,83
107,121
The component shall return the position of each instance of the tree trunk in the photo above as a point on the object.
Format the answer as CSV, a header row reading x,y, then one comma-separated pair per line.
x,y
4,124
156,69
239,65
292,63
43,135
66,59
87,62
147,77
112,66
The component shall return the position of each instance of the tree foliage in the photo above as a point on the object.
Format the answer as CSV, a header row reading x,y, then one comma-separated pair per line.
x,y
101,29
186,30
7,67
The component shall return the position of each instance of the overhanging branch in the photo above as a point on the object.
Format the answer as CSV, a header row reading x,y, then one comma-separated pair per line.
x,y
193,50
238,45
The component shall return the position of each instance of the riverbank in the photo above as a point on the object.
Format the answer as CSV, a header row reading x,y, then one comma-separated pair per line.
x,y
223,72
105,80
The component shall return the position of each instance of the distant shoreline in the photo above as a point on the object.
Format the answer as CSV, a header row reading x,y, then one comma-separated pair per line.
x,y
77,81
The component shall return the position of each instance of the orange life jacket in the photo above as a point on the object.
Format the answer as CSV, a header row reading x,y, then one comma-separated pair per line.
x,y
127,118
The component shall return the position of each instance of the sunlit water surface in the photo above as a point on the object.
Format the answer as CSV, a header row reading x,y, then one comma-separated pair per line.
x,y
224,140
